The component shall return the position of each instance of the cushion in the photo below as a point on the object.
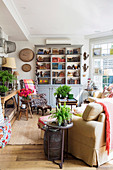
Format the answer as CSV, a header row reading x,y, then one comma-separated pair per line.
x,y
92,111
78,111
107,92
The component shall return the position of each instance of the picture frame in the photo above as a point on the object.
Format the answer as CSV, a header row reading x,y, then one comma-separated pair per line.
x,y
96,51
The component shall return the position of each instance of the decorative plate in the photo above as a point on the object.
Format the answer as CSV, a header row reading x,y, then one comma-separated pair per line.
x,y
26,67
26,55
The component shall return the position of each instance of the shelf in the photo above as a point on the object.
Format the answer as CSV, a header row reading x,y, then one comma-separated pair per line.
x,y
58,62
74,54
57,77
72,69
58,70
73,62
73,77
43,54
44,77
43,69
44,61
58,54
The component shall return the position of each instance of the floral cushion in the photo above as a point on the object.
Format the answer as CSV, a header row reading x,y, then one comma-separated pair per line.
x,y
107,92
5,134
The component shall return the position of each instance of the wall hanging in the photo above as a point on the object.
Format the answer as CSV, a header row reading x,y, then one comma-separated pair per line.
x,y
26,67
85,56
26,55
85,67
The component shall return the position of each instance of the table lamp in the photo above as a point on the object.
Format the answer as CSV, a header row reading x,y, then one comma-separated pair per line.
x,y
9,62
16,74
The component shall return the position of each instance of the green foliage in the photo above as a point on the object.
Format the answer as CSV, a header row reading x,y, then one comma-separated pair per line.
x,y
62,91
6,76
62,114
3,89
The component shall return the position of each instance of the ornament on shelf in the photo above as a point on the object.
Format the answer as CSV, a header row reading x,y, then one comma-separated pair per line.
x,y
85,56
85,67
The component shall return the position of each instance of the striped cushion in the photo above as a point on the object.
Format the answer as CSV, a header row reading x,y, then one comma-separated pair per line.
x,y
29,84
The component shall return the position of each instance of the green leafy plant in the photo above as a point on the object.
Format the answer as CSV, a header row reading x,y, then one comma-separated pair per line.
x,y
3,89
62,91
6,76
63,114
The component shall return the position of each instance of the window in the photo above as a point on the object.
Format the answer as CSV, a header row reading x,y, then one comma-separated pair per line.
x,y
103,66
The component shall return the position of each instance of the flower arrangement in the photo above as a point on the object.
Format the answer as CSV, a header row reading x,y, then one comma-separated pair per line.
x,y
25,93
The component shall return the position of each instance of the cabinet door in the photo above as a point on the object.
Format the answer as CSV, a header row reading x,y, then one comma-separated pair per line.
x,y
52,97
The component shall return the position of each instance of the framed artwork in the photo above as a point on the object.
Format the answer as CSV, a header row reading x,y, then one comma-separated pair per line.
x,y
96,51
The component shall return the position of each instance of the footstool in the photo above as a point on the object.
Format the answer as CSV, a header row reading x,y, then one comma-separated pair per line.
x,y
44,108
42,121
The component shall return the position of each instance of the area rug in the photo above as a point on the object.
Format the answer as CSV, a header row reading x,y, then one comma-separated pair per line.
x,y
26,132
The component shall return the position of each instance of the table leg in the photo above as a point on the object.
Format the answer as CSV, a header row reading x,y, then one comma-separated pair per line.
x,y
71,107
67,144
48,142
29,107
14,99
3,109
18,103
62,151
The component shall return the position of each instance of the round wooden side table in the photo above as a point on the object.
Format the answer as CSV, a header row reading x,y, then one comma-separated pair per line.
x,y
63,128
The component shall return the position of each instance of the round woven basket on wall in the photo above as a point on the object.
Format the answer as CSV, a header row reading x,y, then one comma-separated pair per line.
x,y
26,55
26,67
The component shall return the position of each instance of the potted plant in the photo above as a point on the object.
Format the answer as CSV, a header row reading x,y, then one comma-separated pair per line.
x,y
62,91
58,92
6,77
62,115
3,90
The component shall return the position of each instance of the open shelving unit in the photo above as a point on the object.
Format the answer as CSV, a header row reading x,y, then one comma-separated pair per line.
x,y
58,64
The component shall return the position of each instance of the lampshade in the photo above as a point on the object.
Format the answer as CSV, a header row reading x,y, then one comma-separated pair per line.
x,y
10,62
16,73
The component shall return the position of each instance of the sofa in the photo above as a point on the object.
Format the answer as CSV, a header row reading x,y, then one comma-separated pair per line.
x,y
87,136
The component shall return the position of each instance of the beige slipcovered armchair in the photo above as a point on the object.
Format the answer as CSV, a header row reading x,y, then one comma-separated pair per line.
x,y
87,136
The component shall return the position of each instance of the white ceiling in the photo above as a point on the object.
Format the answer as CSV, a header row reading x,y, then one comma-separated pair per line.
x,y
64,17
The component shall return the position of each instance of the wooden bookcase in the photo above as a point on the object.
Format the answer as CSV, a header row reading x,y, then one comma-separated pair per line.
x,y
58,64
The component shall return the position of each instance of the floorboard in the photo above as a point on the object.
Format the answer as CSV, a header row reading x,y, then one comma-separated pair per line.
x,y
31,157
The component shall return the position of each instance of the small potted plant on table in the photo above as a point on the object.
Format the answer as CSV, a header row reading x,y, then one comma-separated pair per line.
x,y
62,115
3,90
62,91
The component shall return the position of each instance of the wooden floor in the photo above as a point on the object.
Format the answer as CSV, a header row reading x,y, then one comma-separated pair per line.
x,y
32,157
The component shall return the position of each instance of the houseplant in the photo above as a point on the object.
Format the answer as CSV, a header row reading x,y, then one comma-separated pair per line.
x,y
62,115
25,93
6,77
3,90
62,91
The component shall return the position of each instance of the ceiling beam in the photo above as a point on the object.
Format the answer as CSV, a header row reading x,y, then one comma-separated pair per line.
x,y
15,14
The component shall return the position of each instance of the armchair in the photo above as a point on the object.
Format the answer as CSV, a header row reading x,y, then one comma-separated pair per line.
x,y
87,136
37,99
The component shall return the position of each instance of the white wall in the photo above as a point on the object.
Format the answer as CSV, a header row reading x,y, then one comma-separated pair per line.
x,y
41,41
